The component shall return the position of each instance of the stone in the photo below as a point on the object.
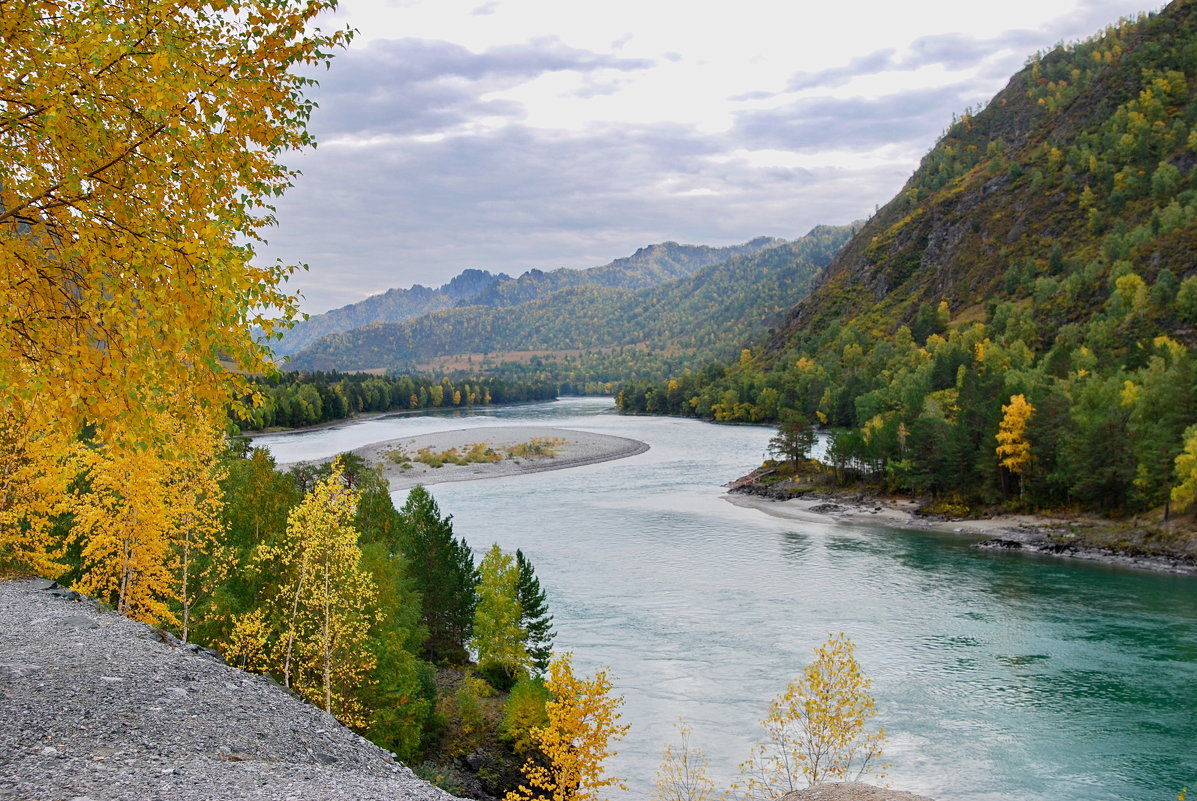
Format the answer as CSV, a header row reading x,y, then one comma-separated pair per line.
x,y
850,791
124,716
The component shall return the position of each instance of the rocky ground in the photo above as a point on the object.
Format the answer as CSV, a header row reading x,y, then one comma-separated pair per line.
x,y
850,791
1125,543
96,706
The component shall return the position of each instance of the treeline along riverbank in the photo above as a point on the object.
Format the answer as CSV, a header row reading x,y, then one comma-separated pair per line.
x,y
297,400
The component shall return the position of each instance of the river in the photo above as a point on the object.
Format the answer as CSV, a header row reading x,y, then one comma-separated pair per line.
x,y
997,675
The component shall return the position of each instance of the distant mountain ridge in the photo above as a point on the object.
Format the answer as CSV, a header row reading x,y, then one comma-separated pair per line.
x,y
648,266
626,303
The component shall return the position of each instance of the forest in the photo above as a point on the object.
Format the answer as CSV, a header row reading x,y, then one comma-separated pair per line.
x,y
1058,325
294,400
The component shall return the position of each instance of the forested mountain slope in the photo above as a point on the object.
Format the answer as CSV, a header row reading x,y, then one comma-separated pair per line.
x,y
1035,279
392,305
705,313
648,266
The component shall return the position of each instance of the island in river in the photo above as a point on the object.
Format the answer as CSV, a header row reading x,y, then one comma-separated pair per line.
x,y
565,448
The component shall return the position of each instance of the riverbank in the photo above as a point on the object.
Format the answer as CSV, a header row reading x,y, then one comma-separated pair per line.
x,y
1075,537
560,449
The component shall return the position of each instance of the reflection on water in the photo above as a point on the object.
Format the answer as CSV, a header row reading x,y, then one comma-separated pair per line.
x,y
997,675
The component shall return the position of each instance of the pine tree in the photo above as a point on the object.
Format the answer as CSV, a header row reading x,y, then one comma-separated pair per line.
x,y
442,570
535,619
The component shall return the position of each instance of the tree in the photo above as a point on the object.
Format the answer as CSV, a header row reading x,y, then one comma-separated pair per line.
x,y
323,600
794,438
1185,491
1013,449
583,723
498,639
535,619
197,507
36,465
443,573
816,727
139,146
682,775
123,526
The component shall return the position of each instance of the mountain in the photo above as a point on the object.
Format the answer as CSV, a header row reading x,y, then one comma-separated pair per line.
x,y
648,266
621,305
1056,175
1016,326
392,305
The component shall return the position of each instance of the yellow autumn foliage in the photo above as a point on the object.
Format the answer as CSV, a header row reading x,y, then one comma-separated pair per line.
x,y
1013,448
322,605
682,774
583,723
816,728
139,147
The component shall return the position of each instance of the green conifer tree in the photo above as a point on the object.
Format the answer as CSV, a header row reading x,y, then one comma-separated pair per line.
x,y
442,569
536,621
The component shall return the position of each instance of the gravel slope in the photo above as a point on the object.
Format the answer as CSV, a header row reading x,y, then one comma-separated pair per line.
x,y
96,706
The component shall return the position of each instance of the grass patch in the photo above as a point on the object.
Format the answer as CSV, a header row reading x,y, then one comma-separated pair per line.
x,y
537,447
477,453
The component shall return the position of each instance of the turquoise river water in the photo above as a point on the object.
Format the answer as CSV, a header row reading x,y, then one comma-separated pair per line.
x,y
997,675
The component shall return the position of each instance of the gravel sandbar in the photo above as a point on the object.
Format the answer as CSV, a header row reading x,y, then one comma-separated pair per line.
x,y
577,449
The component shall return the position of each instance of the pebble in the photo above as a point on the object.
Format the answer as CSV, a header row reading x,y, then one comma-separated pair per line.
x,y
97,707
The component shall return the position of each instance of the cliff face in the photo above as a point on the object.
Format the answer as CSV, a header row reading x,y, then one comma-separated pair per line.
x,y
1058,170
96,706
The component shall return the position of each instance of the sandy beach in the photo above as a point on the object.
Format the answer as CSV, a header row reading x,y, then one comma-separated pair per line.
x,y
570,448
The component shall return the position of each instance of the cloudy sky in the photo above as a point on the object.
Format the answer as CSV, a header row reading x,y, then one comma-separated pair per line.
x,y
512,134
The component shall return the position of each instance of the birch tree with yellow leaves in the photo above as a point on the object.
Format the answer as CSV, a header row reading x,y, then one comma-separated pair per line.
x,y
35,468
140,146
322,603
817,728
583,724
123,525
197,504
1013,448
145,519
682,774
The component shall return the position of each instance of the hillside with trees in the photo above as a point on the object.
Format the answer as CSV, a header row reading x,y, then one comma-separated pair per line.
x,y
648,266
1017,325
696,316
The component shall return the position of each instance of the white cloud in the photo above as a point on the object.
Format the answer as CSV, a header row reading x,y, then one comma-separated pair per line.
x,y
539,133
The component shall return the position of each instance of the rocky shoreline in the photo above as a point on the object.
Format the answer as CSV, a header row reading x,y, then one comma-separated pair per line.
x,y
1065,537
97,707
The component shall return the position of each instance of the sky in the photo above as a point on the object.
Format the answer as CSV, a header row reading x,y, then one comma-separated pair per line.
x,y
508,135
